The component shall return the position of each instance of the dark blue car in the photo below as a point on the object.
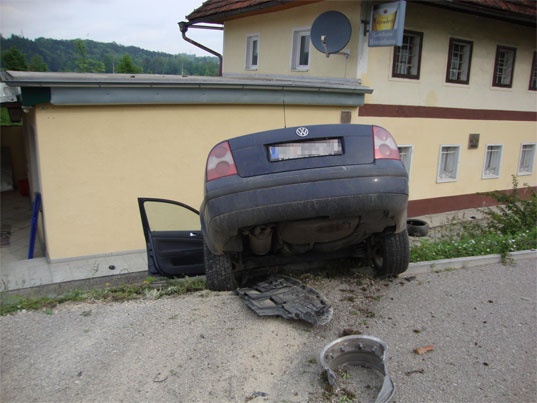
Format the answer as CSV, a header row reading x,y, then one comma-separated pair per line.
x,y
293,196
304,194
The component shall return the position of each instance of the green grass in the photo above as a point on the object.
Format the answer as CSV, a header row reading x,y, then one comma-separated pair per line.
x,y
509,227
151,288
484,243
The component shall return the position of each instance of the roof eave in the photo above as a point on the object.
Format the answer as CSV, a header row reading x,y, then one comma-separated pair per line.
x,y
261,8
477,9
103,89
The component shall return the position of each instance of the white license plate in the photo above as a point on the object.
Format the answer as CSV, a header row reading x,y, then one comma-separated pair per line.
x,y
305,149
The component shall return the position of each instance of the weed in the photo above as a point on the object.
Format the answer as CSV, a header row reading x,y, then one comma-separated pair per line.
x,y
509,227
516,210
149,289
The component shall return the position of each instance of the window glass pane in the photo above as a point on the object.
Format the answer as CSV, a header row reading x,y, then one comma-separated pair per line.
x,y
527,158
304,50
406,156
406,59
503,67
252,46
533,75
493,155
301,50
448,164
254,52
170,217
460,54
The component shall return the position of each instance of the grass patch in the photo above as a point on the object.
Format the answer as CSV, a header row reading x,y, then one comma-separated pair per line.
x,y
509,227
484,243
151,288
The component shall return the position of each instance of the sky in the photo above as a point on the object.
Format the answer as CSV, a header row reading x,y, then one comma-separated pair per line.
x,y
150,25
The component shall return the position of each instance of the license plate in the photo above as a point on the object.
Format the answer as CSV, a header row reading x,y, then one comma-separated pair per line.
x,y
305,149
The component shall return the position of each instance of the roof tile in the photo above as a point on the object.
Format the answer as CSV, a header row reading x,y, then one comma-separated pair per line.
x,y
218,11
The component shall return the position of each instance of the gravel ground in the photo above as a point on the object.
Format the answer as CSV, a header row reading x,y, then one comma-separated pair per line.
x,y
209,347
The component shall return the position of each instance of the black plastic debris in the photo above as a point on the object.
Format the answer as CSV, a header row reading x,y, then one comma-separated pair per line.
x,y
287,297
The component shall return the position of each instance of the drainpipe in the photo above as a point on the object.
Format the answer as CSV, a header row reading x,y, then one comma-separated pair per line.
x,y
183,27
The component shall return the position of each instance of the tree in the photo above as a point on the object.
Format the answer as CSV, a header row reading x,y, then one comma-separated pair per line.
x,y
126,65
37,64
14,59
84,63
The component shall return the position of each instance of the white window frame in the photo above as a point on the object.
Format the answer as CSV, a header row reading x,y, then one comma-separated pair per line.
x,y
449,155
526,159
296,49
252,48
406,152
492,163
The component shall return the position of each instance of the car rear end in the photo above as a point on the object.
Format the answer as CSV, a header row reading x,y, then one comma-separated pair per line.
x,y
292,190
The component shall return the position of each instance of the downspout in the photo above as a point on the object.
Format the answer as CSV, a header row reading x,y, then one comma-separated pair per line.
x,y
183,27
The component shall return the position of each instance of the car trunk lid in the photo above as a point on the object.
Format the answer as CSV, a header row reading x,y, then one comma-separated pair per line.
x,y
304,147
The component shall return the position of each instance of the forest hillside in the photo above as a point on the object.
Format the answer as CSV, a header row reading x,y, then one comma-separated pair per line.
x,y
83,55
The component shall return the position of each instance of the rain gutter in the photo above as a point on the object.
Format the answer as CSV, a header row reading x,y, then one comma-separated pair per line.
x,y
139,89
183,27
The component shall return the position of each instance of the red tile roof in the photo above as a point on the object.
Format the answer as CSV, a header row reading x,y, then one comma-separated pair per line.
x,y
218,11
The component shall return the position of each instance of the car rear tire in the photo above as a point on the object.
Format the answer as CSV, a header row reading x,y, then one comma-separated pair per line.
x,y
218,271
390,253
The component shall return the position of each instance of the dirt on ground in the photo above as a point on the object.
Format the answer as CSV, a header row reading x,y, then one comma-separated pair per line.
x,y
209,347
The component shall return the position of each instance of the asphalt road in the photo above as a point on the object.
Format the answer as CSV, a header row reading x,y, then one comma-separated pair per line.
x,y
208,347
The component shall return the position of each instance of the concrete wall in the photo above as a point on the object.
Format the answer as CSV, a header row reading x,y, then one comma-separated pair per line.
x,y
438,26
427,135
94,162
431,90
276,38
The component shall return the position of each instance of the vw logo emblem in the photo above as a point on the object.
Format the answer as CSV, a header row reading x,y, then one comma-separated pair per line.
x,y
302,132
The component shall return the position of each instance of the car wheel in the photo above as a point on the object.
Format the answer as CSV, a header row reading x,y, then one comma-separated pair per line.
x,y
390,253
417,228
218,271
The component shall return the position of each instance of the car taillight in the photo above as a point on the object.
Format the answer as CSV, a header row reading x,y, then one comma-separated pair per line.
x,y
385,146
220,162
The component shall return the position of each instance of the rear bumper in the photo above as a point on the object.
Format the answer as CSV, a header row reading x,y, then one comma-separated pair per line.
x,y
379,201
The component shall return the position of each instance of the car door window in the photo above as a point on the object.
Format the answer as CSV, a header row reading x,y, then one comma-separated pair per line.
x,y
163,216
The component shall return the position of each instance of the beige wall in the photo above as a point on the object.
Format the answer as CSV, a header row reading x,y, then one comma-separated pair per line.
x,y
275,42
427,135
438,25
95,161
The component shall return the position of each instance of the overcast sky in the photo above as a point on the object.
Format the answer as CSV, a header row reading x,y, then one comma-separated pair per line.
x,y
150,25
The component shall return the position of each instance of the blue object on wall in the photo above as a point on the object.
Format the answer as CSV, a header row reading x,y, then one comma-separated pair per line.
x,y
33,230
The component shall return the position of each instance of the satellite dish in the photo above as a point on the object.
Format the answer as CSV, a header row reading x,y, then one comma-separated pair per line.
x,y
330,32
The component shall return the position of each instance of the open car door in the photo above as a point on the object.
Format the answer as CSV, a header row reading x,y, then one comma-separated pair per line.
x,y
173,238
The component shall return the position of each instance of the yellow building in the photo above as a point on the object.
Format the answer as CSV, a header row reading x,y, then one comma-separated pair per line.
x,y
459,96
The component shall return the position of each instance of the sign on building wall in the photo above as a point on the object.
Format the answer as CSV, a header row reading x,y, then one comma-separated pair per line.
x,y
387,24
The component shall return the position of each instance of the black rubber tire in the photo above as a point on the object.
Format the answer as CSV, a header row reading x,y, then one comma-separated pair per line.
x,y
390,254
417,228
218,271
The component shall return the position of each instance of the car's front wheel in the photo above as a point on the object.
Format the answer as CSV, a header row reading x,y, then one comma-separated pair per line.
x,y
390,253
218,271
